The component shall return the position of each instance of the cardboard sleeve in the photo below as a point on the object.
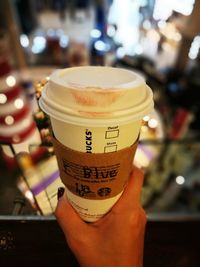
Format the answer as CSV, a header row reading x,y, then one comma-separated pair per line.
x,y
94,175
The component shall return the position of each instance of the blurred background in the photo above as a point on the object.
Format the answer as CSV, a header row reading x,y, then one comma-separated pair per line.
x,y
157,38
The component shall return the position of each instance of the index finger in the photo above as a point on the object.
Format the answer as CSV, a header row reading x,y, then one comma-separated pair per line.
x,y
132,193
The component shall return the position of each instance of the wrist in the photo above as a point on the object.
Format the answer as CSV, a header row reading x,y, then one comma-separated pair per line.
x,y
110,264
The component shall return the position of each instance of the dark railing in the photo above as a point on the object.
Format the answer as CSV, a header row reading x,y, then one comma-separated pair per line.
x,y
170,241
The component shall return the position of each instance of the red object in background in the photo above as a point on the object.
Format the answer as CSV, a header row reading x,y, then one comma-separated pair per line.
x,y
39,154
180,123
19,137
5,68
13,93
7,162
16,121
11,164
17,116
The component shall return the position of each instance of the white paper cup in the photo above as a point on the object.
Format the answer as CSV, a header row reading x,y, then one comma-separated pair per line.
x,y
96,110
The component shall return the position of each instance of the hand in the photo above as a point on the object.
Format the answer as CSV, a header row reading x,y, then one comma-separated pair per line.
x,y
117,239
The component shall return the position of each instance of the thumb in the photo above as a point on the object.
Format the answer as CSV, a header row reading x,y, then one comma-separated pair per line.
x,y
67,217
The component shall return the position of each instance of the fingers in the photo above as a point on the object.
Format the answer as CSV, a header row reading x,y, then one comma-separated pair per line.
x,y
67,217
143,221
134,189
132,193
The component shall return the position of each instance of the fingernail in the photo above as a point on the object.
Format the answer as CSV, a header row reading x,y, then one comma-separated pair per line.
x,y
60,192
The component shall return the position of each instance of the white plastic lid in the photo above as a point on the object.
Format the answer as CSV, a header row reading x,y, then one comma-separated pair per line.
x,y
96,92
90,77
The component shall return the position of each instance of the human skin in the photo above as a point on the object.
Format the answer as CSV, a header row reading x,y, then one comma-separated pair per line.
x,y
117,239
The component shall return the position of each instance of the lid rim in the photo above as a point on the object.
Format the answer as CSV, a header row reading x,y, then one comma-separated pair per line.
x,y
55,79
94,121
79,113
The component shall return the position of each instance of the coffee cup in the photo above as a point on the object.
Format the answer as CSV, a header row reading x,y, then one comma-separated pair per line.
x,y
96,115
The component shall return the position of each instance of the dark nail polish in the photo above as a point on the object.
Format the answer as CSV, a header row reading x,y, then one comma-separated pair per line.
x,y
60,192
